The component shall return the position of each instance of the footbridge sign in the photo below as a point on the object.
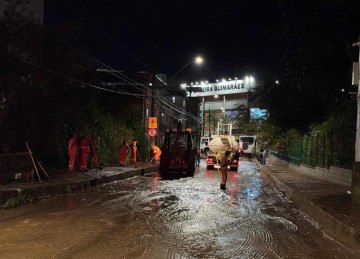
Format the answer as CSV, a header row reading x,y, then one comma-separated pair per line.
x,y
221,88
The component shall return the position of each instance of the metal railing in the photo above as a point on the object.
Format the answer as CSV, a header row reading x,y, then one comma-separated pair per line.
x,y
321,150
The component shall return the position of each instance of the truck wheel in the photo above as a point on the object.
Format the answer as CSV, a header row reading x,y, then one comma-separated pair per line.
x,y
163,168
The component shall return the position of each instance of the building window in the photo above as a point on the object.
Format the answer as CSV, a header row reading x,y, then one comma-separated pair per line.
x,y
173,99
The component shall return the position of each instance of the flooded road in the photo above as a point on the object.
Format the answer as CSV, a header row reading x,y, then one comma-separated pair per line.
x,y
147,217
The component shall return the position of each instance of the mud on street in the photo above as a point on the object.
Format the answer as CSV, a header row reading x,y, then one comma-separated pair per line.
x,y
148,217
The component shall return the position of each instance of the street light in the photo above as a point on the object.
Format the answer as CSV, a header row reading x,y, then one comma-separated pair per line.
x,y
249,80
197,60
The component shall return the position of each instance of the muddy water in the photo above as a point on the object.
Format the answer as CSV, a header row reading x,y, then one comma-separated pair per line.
x,y
147,217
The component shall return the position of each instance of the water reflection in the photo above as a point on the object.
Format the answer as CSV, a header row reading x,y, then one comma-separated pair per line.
x,y
234,187
155,182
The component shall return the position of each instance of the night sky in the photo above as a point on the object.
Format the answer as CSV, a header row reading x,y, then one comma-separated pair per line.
x,y
165,35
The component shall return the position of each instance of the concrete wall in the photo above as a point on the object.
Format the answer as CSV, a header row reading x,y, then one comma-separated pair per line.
x,y
333,174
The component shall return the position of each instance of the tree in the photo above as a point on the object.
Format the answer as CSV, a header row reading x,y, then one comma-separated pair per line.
x,y
313,65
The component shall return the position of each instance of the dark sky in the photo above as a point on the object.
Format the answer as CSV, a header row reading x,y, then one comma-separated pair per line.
x,y
166,35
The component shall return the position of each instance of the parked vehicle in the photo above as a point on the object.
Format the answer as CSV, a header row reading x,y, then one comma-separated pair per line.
x,y
204,145
247,145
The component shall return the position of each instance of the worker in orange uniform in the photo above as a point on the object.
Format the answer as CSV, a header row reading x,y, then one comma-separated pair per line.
x,y
157,152
123,151
133,148
83,153
225,160
93,152
72,152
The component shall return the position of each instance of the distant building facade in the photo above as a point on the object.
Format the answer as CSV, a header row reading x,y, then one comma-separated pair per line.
x,y
220,101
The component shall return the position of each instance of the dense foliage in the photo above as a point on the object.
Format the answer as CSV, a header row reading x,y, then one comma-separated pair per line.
x,y
44,98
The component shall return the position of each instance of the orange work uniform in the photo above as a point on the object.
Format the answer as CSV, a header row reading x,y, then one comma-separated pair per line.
x,y
133,152
157,153
72,151
83,154
224,169
123,151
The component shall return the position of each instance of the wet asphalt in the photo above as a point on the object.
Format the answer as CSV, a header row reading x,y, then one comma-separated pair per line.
x,y
181,217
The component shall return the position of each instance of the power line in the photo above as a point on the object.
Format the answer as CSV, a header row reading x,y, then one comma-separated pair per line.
x,y
64,76
121,76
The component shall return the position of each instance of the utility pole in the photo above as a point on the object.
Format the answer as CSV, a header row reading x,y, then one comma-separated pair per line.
x,y
152,112
151,84
356,82
355,183
203,117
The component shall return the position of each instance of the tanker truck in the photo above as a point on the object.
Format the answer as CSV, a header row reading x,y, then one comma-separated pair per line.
x,y
221,142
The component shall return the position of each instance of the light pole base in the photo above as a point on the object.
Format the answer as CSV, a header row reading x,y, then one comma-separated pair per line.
x,y
355,182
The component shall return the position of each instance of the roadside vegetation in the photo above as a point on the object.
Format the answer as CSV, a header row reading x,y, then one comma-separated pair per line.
x,y
18,200
307,90
41,104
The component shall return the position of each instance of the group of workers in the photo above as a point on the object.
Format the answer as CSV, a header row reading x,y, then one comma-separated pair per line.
x,y
79,150
124,149
83,148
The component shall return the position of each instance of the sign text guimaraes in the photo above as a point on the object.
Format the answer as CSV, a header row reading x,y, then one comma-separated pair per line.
x,y
222,88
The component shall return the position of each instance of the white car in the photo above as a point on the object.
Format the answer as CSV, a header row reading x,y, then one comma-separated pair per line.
x,y
204,145
247,145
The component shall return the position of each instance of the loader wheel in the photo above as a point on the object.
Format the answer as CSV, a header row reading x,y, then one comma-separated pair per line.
x,y
191,169
163,168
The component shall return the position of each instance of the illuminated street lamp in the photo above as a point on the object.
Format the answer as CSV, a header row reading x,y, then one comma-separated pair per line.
x,y
197,60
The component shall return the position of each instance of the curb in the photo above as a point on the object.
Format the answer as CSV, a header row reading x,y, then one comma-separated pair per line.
x,y
69,186
328,224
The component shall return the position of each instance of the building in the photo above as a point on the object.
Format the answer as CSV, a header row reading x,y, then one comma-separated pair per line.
x,y
31,8
221,100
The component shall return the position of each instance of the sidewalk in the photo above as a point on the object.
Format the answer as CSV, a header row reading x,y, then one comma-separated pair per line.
x,y
327,203
70,182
